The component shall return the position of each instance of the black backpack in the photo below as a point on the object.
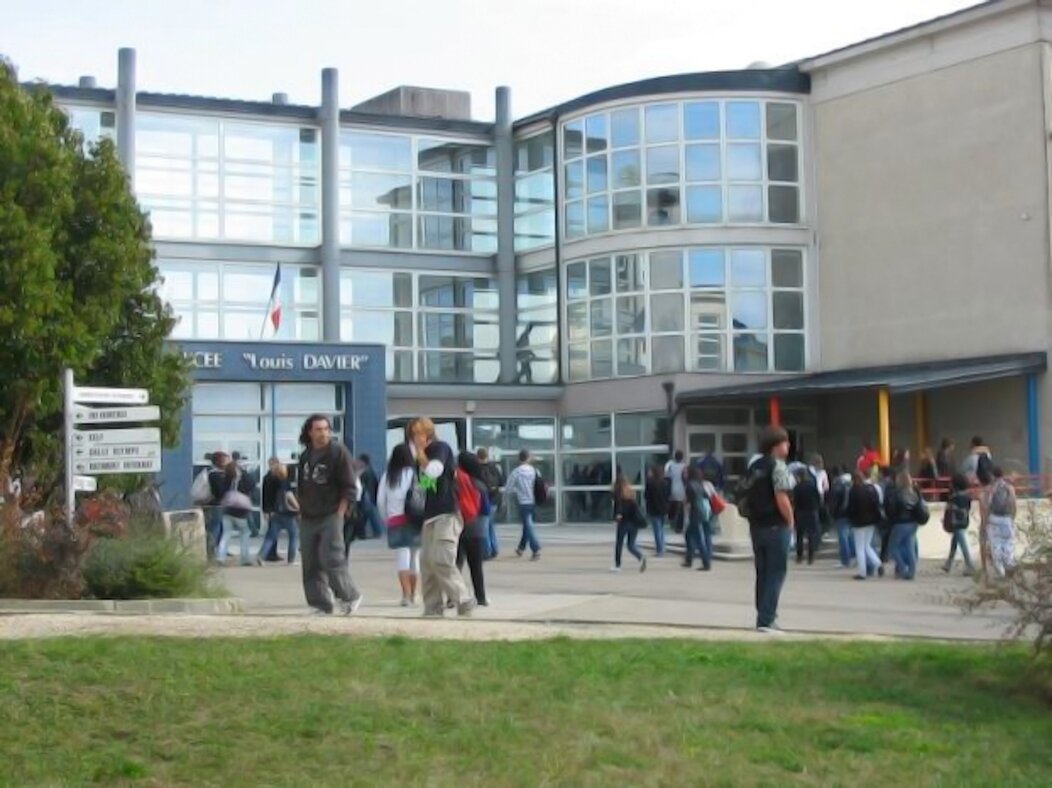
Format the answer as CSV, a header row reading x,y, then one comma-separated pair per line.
x,y
984,470
540,490
837,499
755,494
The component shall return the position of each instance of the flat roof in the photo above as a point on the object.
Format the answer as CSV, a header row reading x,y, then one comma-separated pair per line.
x,y
898,379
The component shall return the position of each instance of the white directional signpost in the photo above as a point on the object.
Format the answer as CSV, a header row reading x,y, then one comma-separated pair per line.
x,y
97,450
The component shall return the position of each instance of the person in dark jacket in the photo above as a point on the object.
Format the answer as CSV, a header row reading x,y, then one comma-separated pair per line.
x,y
213,511
629,519
957,519
807,503
864,510
945,462
472,545
326,491
237,505
655,496
493,478
370,484
282,510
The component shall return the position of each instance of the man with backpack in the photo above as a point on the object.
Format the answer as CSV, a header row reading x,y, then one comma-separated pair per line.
x,y
979,466
765,501
836,504
524,484
493,477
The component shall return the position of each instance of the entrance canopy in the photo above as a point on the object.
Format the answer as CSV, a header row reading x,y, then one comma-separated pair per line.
x,y
901,379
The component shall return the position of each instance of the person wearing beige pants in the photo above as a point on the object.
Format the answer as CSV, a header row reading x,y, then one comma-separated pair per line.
x,y
440,578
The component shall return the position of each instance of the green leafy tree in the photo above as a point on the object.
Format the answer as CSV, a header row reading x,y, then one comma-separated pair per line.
x,y
77,282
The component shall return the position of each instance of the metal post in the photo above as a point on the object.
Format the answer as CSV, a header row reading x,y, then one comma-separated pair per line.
x,y
126,111
1033,425
505,154
330,204
884,420
67,392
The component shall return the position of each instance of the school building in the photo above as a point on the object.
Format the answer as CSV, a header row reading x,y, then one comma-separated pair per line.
x,y
856,245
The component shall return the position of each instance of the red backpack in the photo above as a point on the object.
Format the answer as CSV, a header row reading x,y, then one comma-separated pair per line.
x,y
469,500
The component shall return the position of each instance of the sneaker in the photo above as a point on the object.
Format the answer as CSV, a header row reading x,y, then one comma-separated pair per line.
x,y
297,562
483,603
536,556
466,608
258,561
519,551
771,630
946,568
405,601
434,613
704,568
615,569
860,577
350,608
643,565
450,604
880,571
687,564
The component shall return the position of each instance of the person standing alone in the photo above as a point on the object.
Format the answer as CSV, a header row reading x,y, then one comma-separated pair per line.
x,y
769,510
326,491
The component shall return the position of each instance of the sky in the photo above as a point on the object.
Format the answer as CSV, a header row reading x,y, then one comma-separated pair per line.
x,y
547,51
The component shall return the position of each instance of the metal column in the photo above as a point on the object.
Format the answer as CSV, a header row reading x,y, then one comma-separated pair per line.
x,y
505,154
330,203
126,112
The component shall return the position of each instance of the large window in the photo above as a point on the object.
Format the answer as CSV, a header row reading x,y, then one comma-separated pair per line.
x,y
229,300
673,163
437,327
703,309
211,178
504,438
537,332
407,192
592,449
92,122
534,192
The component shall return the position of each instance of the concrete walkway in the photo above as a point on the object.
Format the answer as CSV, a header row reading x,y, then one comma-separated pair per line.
x,y
572,585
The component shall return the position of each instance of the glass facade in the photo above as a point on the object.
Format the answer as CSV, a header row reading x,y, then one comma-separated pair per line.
x,y
726,161
534,192
222,300
700,309
92,122
504,438
208,178
593,448
437,327
537,332
412,192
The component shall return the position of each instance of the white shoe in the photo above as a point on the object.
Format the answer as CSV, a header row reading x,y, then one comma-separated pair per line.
x,y
615,569
770,630
405,601
350,608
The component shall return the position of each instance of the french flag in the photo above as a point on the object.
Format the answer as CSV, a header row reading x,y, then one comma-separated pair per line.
x,y
274,304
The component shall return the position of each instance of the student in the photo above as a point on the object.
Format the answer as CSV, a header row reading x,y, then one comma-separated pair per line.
x,y
956,521
629,519
521,485
326,491
1000,504
864,510
493,477
836,503
807,504
906,510
237,505
656,499
402,536
282,509
769,508
675,476
472,546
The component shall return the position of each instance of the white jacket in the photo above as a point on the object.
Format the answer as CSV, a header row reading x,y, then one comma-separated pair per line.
x,y
391,501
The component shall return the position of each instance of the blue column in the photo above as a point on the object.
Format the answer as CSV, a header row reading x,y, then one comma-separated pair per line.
x,y
1033,425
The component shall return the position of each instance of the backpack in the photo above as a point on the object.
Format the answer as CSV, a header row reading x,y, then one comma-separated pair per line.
x,y
956,516
984,469
469,500
415,501
201,490
838,498
756,494
1000,500
540,490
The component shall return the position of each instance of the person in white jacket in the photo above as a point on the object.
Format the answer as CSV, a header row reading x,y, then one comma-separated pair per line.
x,y
402,536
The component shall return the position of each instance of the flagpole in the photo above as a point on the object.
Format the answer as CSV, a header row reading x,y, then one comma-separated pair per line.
x,y
270,301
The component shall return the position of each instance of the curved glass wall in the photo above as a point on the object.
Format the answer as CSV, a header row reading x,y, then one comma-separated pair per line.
x,y
713,161
698,309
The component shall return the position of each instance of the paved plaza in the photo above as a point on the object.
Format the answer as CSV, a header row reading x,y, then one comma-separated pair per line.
x,y
572,584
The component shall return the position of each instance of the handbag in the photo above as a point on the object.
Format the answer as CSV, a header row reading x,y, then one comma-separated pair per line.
x,y
416,500
718,503
235,499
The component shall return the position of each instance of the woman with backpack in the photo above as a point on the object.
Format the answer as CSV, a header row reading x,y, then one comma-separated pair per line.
x,y
864,511
807,503
472,546
236,503
655,495
956,520
698,534
280,505
402,536
906,511
1000,507
629,520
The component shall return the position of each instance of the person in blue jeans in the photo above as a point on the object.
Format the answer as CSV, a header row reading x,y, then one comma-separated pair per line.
x,y
836,504
520,487
282,510
493,478
957,518
905,511
656,498
629,519
698,533
767,503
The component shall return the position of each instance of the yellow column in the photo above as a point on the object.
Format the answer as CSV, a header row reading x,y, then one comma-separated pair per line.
x,y
884,416
920,420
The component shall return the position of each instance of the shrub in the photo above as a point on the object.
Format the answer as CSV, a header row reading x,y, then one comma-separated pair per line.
x,y
146,567
1027,589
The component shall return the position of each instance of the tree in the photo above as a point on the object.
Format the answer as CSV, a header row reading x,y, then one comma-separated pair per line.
x,y
77,282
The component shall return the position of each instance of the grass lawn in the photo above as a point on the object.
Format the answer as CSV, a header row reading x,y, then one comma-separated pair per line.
x,y
326,710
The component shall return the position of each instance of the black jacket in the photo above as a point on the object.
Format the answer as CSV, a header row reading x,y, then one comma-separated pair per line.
x,y
326,478
656,497
628,511
863,506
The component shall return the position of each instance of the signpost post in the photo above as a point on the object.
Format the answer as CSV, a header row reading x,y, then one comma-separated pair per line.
x,y
97,450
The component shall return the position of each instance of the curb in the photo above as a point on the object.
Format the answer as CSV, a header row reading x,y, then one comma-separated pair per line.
x,y
197,607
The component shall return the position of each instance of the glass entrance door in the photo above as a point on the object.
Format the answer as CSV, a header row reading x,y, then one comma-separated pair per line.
x,y
730,445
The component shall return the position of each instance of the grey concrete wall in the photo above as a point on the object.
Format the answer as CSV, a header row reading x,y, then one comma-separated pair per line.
x,y
933,229
408,100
